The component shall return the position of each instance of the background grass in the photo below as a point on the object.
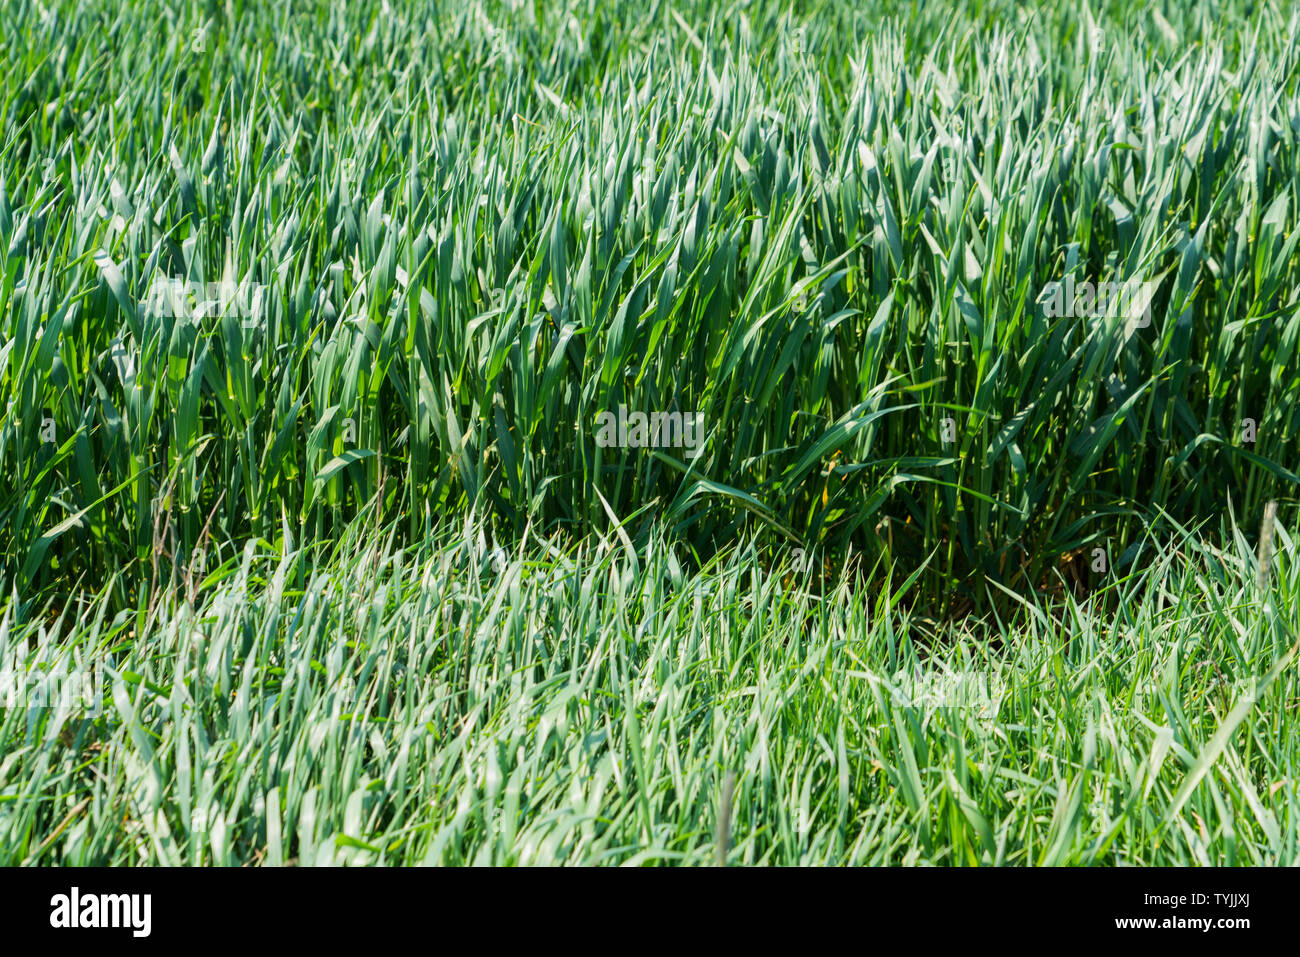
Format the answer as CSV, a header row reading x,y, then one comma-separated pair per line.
x,y
824,229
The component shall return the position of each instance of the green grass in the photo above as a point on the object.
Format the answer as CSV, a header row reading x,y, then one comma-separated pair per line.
x,y
585,706
480,229
364,581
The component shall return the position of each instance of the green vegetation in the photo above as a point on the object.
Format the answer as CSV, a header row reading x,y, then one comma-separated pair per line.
x,y
585,706
358,577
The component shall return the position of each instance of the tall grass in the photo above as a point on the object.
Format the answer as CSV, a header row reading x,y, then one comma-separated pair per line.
x,y
480,225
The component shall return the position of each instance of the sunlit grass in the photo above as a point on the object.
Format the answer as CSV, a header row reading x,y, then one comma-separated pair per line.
x,y
578,706
362,584
826,232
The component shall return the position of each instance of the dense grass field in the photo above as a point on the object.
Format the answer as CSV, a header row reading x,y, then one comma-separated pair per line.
x,y
317,544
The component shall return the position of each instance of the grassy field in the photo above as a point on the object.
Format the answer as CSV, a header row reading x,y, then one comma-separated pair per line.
x,y
588,706
315,545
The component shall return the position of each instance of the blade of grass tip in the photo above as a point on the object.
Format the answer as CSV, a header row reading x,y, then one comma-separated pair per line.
x,y
723,837
1266,545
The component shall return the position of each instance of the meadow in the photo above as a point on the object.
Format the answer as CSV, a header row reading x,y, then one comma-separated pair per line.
x,y
314,319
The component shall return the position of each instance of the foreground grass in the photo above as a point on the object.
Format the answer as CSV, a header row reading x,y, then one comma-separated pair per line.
x,y
455,706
